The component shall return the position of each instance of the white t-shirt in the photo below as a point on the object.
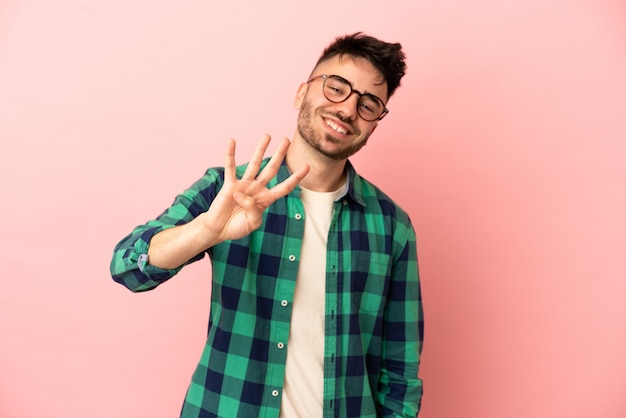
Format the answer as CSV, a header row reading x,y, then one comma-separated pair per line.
x,y
304,373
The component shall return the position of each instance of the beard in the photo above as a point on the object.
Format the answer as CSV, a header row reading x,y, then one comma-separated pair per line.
x,y
317,139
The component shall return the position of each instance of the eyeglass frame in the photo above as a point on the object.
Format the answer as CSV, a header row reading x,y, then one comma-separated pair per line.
x,y
384,112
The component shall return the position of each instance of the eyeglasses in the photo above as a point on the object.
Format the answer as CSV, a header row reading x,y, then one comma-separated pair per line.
x,y
337,89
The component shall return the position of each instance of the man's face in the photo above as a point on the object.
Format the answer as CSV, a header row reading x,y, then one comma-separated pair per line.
x,y
335,129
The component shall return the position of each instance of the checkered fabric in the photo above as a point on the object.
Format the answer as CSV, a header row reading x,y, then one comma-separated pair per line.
x,y
373,318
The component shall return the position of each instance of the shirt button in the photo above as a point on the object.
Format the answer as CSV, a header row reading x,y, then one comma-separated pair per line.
x,y
274,393
292,258
280,345
284,303
345,202
298,216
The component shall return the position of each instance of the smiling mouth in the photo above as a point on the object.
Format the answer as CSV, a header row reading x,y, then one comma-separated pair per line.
x,y
332,125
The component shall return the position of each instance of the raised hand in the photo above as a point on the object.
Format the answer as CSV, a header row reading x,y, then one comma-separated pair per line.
x,y
237,209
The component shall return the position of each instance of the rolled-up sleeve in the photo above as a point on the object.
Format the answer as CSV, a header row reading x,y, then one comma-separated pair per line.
x,y
130,265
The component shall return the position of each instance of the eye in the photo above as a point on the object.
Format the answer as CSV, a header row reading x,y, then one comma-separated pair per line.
x,y
366,107
335,88
370,105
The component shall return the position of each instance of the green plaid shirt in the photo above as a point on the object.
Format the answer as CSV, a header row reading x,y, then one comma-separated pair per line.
x,y
373,318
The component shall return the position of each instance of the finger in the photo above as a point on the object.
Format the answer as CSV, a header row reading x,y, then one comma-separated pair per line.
x,y
272,167
229,164
285,187
257,157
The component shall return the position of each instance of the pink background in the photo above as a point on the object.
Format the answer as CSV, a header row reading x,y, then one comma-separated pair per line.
x,y
506,144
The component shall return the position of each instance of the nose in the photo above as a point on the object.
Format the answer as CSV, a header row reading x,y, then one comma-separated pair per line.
x,y
348,108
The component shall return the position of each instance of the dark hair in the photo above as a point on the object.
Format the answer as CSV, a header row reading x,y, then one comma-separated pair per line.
x,y
387,58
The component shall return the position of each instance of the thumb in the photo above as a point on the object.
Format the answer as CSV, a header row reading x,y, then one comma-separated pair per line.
x,y
243,200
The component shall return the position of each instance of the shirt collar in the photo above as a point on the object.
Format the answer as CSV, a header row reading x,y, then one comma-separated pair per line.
x,y
355,182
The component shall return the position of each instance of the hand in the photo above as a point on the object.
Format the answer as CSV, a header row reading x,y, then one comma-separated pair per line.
x,y
236,211
238,208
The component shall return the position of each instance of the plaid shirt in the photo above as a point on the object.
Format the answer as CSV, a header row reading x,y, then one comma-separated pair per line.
x,y
373,314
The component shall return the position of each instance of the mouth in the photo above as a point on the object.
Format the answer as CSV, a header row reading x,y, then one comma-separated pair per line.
x,y
336,127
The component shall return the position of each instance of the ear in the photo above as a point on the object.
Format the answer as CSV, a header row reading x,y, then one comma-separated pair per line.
x,y
297,103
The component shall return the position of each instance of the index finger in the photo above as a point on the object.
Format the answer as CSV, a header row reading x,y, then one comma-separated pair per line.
x,y
286,186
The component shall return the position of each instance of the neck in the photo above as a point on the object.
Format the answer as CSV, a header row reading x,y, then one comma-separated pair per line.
x,y
325,174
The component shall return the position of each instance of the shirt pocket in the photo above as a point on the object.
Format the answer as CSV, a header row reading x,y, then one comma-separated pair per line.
x,y
369,281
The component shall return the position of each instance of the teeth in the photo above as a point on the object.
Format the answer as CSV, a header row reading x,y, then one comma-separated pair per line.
x,y
336,127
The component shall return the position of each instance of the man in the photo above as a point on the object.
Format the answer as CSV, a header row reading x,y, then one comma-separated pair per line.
x,y
316,306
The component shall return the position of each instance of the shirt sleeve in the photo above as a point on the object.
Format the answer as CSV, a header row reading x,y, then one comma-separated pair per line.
x,y
130,265
400,389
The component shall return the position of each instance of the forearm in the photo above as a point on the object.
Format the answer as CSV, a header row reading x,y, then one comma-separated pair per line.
x,y
173,247
130,264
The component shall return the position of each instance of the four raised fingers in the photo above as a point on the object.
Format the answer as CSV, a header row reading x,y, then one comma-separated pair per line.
x,y
268,172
